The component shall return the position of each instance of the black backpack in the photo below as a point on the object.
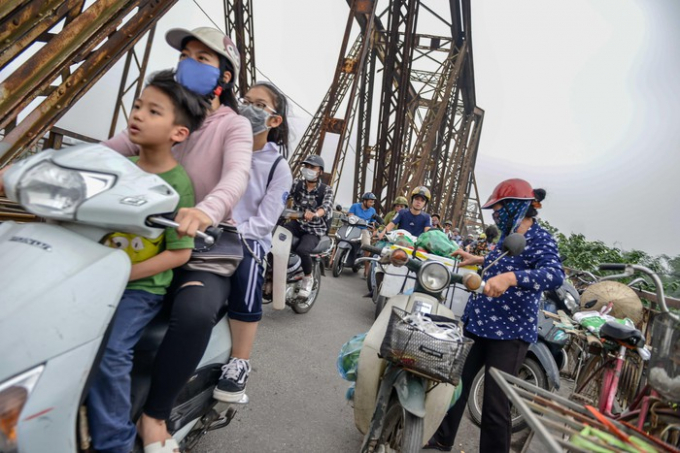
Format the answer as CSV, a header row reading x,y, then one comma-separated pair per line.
x,y
320,191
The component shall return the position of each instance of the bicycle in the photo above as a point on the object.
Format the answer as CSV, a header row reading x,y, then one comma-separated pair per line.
x,y
653,409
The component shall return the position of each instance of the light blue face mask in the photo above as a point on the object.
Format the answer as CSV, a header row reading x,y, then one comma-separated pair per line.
x,y
198,77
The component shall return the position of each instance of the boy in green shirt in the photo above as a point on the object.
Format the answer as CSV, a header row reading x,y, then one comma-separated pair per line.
x,y
165,114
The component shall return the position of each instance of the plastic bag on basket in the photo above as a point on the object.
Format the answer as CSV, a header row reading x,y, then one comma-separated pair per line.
x,y
430,345
348,359
436,241
401,237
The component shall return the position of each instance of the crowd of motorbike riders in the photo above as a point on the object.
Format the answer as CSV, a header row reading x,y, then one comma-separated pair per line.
x,y
239,178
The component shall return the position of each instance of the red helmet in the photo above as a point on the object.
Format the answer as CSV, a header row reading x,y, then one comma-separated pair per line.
x,y
514,189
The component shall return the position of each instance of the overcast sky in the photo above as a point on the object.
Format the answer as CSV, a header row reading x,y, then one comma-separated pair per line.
x,y
581,98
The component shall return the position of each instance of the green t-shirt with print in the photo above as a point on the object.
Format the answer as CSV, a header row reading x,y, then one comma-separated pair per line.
x,y
141,249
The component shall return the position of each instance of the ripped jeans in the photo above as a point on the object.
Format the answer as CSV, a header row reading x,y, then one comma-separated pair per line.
x,y
199,301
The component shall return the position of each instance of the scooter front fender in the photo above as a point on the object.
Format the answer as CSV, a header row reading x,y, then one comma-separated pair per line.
x,y
344,245
411,392
281,243
547,361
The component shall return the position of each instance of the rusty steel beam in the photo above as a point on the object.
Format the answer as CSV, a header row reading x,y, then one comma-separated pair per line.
x,y
95,38
137,82
239,21
395,98
329,105
420,157
24,26
461,194
363,148
89,28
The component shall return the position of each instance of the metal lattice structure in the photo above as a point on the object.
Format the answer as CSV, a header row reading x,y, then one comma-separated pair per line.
x,y
239,22
75,47
428,124
416,55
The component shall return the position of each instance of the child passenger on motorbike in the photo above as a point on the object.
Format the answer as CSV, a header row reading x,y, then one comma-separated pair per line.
x,y
165,114
255,215
217,158
413,220
503,320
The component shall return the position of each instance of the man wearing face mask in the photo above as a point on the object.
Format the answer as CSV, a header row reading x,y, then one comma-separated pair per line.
x,y
315,199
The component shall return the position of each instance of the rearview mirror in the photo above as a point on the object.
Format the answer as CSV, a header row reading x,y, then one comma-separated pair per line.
x,y
514,244
338,207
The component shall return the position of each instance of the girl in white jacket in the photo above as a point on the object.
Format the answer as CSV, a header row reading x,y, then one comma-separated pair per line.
x,y
256,215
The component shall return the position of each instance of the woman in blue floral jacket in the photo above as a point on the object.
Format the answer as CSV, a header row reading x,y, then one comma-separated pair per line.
x,y
503,320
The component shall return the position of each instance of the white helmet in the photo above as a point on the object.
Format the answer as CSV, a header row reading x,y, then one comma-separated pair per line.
x,y
211,37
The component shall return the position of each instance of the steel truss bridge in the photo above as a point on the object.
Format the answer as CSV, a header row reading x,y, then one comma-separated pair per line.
x,y
402,98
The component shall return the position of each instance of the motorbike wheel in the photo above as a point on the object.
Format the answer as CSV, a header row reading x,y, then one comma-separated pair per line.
x,y
531,371
301,306
338,262
370,280
402,431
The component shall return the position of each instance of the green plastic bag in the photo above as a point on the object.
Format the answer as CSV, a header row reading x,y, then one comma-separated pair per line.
x,y
348,359
436,242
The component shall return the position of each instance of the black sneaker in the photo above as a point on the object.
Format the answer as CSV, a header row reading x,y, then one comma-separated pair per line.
x,y
232,384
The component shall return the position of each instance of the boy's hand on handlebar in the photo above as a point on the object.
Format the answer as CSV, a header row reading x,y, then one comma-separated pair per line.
x,y
496,286
191,220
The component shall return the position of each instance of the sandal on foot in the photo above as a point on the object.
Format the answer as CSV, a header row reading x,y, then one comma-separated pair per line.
x,y
169,446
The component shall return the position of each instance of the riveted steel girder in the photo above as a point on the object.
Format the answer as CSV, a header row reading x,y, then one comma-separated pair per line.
x,y
239,22
72,59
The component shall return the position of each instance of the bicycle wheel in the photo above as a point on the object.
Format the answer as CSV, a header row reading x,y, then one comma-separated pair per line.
x,y
589,382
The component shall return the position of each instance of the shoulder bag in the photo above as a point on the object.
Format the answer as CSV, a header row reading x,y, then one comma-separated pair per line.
x,y
222,258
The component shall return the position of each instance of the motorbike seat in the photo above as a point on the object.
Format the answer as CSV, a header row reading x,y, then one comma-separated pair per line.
x,y
294,242
323,245
615,331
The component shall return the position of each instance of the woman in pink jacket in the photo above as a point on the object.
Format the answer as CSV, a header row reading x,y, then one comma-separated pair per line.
x,y
217,158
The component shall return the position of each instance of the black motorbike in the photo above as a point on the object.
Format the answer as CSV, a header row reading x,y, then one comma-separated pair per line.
x,y
348,238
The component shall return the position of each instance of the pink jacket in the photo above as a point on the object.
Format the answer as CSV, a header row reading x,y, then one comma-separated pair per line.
x,y
216,157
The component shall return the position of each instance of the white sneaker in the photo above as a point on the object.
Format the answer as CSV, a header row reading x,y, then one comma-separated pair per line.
x,y
306,286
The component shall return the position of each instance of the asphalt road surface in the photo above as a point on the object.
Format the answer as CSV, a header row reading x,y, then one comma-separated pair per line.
x,y
297,398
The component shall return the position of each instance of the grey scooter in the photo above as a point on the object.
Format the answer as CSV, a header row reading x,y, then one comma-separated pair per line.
x,y
60,291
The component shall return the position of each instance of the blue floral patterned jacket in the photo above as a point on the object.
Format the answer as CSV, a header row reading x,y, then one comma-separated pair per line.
x,y
513,315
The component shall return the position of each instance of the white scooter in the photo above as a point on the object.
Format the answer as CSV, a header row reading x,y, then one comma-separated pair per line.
x,y
284,269
60,290
396,407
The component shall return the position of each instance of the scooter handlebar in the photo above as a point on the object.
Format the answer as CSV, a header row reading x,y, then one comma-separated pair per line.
x,y
372,249
612,267
209,237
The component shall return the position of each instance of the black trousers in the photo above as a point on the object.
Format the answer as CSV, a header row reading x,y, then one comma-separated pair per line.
x,y
505,355
195,311
308,242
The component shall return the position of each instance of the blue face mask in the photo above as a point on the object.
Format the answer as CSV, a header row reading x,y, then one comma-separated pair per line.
x,y
510,215
198,77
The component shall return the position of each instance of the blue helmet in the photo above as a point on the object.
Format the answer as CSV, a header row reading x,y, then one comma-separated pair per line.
x,y
368,196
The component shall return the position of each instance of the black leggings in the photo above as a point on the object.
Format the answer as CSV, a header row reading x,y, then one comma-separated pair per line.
x,y
195,310
308,242
506,355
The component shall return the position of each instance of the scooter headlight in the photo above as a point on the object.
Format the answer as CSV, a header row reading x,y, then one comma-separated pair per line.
x,y
13,396
434,276
353,220
52,191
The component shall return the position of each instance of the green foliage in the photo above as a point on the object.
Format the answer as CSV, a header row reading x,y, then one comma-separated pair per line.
x,y
579,253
